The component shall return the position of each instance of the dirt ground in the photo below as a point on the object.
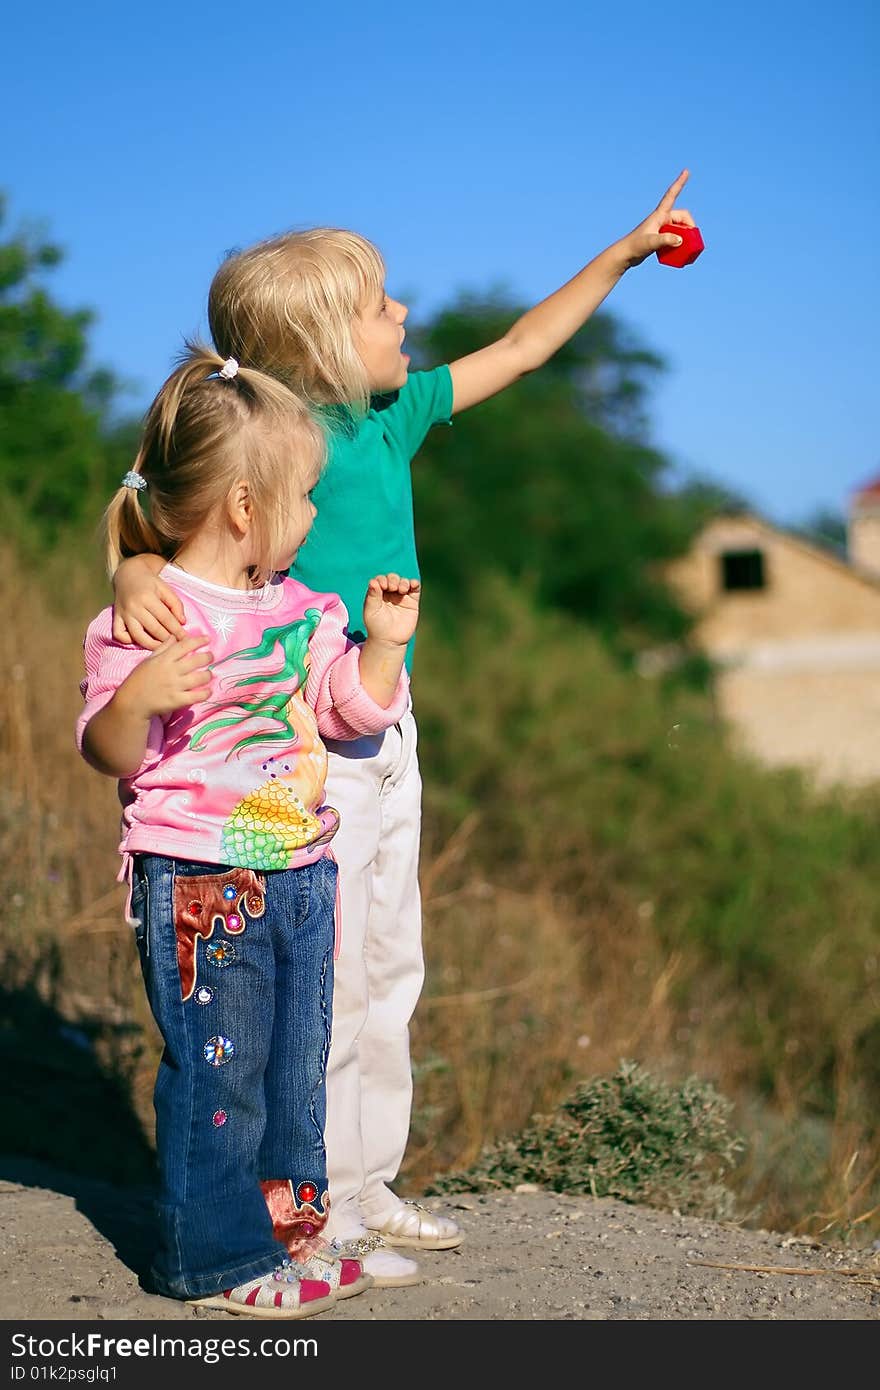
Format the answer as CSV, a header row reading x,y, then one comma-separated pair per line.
x,y
73,1249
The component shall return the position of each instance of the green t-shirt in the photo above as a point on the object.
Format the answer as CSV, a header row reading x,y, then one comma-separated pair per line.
x,y
364,524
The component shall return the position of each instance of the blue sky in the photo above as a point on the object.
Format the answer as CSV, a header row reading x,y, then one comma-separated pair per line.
x,y
490,143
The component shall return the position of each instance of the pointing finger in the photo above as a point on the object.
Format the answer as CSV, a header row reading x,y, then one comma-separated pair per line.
x,y
673,190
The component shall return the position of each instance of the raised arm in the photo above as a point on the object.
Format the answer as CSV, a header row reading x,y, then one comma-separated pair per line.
x,y
391,612
542,330
362,688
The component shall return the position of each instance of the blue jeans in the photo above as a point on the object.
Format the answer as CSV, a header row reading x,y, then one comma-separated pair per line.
x,y
239,974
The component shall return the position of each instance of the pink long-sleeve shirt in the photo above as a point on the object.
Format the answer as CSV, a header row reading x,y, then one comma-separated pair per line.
x,y
239,777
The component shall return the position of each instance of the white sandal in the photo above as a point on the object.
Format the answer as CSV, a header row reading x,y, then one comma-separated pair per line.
x,y
417,1228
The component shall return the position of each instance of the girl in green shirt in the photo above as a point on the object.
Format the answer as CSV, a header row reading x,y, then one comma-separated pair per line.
x,y
312,309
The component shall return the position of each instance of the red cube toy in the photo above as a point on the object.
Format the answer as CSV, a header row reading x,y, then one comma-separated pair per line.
x,y
687,253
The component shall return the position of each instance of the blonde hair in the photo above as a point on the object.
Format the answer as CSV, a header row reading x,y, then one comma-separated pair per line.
x,y
287,306
202,434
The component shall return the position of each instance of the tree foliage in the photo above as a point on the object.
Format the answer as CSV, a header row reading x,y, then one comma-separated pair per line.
x,y
58,451
826,527
553,482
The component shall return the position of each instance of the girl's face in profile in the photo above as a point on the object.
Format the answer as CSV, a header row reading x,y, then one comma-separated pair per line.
x,y
301,513
378,338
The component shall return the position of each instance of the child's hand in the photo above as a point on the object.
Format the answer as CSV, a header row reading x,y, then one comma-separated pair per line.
x,y
115,739
647,237
391,608
175,676
146,612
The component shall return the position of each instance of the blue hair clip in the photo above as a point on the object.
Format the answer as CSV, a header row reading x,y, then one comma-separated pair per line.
x,y
135,480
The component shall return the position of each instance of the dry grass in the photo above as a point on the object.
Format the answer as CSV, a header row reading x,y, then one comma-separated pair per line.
x,y
77,1029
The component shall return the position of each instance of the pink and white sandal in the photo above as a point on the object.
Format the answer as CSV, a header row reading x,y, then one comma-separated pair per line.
x,y
325,1262
279,1294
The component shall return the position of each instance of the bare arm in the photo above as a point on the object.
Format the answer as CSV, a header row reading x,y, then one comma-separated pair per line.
x,y
543,329
391,612
115,739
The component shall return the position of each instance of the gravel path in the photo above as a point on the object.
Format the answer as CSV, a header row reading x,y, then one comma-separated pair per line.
x,y
527,1255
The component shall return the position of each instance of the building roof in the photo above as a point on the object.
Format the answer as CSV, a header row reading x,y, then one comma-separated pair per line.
x,y
818,550
868,489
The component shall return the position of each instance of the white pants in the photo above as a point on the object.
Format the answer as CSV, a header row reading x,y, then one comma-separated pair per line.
x,y
374,784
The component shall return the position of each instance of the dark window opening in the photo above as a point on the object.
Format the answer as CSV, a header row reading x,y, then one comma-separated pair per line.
x,y
743,569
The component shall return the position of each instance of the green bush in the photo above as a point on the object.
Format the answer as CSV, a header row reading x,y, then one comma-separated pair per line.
x,y
628,1136
579,769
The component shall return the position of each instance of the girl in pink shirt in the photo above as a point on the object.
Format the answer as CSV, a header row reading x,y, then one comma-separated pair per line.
x,y
216,739
311,308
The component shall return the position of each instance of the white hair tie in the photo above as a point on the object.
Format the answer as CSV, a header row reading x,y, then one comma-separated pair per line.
x,y
228,370
134,480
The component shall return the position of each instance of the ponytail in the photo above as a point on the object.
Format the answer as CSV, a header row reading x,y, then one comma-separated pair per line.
x,y
127,528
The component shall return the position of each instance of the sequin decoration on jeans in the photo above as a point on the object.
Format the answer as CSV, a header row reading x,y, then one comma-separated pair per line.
x,y
207,903
219,1051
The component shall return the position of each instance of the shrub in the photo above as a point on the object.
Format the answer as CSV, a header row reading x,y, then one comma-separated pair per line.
x,y
629,1136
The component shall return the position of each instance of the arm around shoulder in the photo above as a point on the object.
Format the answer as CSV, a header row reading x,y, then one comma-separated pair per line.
x,y
146,610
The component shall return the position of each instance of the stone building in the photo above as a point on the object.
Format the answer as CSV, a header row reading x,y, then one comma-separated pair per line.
x,y
794,630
